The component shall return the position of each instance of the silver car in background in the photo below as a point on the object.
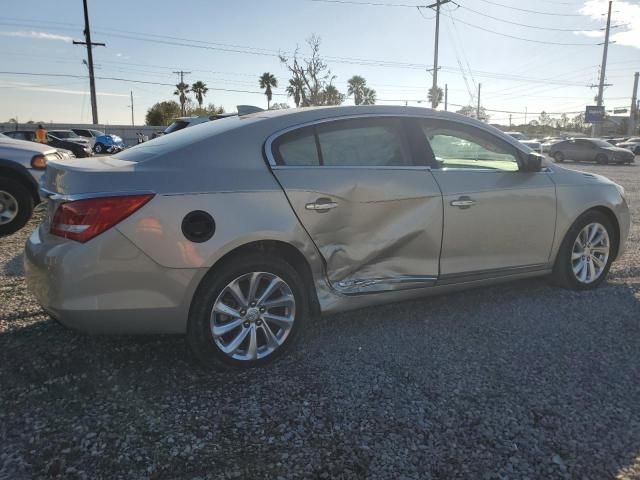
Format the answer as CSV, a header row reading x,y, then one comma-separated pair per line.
x,y
238,232
21,166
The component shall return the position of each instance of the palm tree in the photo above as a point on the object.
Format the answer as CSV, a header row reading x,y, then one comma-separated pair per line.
x,y
332,96
200,89
438,96
357,84
295,90
368,96
267,81
181,91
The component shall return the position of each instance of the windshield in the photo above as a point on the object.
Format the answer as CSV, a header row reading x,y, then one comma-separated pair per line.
x,y
65,134
599,142
175,126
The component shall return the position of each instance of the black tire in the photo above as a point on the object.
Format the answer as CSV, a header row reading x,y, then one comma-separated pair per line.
x,y
98,148
199,335
558,157
602,159
25,202
563,275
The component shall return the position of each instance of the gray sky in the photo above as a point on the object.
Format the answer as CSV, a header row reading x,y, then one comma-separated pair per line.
x,y
228,44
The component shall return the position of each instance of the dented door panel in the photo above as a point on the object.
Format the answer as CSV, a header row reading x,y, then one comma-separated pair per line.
x,y
383,231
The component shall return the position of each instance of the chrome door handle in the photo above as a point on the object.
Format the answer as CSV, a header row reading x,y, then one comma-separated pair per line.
x,y
463,202
321,205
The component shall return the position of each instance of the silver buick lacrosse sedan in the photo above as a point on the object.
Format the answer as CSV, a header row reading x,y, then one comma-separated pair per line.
x,y
237,232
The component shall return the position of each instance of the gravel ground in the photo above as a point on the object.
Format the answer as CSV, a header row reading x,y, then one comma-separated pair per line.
x,y
513,381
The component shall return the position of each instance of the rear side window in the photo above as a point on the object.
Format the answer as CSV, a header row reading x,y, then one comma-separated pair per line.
x,y
297,148
361,142
367,142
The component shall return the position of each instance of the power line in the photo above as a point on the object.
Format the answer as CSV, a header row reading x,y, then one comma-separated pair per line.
x,y
523,24
555,14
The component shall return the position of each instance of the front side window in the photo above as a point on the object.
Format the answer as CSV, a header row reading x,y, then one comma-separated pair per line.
x,y
367,142
460,146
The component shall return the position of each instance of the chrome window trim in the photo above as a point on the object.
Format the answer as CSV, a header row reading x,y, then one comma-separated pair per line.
x,y
268,145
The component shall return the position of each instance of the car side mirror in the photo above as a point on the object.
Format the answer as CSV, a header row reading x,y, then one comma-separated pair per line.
x,y
532,163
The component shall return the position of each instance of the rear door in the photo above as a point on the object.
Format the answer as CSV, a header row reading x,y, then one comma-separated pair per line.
x,y
373,213
497,219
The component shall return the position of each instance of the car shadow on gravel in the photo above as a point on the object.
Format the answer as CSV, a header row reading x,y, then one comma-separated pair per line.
x,y
510,381
15,266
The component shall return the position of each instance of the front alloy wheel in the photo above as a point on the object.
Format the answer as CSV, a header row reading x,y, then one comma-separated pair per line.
x,y
253,316
590,253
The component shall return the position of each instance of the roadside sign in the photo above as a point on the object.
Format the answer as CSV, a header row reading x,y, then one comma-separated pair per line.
x,y
594,114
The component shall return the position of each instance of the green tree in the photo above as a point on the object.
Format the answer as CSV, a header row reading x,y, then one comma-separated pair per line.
x,y
368,96
295,90
311,72
332,96
471,111
163,113
357,86
439,95
182,89
199,89
268,81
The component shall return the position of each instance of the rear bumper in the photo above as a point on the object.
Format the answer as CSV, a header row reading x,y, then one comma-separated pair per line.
x,y
107,285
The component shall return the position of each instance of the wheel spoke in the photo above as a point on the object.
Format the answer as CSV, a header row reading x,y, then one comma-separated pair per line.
x,y
599,263
269,290
252,350
272,340
234,289
582,271
594,231
603,249
233,345
283,301
592,271
219,330
576,255
253,286
284,322
226,310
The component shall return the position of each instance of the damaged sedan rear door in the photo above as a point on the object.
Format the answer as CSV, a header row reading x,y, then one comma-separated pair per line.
x,y
374,213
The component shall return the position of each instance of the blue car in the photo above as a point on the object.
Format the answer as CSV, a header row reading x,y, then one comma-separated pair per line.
x,y
108,143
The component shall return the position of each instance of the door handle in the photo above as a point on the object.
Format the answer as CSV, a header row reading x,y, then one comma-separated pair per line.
x,y
463,203
321,205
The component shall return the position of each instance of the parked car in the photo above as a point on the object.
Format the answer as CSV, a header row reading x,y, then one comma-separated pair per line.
x,y
548,142
78,150
522,138
590,150
615,141
70,136
238,232
21,166
108,143
89,133
184,122
632,144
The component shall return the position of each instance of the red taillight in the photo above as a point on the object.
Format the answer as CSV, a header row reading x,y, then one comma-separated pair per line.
x,y
82,220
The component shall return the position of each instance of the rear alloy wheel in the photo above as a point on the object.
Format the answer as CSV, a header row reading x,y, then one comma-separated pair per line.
x,y
16,206
247,313
98,148
602,159
586,253
558,157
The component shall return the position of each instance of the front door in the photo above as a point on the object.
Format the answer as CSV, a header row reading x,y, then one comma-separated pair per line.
x,y
374,215
497,219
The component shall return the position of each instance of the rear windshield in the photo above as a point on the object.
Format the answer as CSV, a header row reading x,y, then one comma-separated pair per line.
x,y
175,126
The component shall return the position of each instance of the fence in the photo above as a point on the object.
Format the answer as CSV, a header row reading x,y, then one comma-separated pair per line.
x,y
127,132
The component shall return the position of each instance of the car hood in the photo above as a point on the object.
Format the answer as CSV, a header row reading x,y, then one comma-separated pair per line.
x,y
24,145
580,177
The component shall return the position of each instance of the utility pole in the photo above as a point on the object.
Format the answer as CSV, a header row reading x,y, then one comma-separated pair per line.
x,y
525,115
90,45
596,127
631,129
434,88
446,96
133,123
182,74
478,109
509,120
